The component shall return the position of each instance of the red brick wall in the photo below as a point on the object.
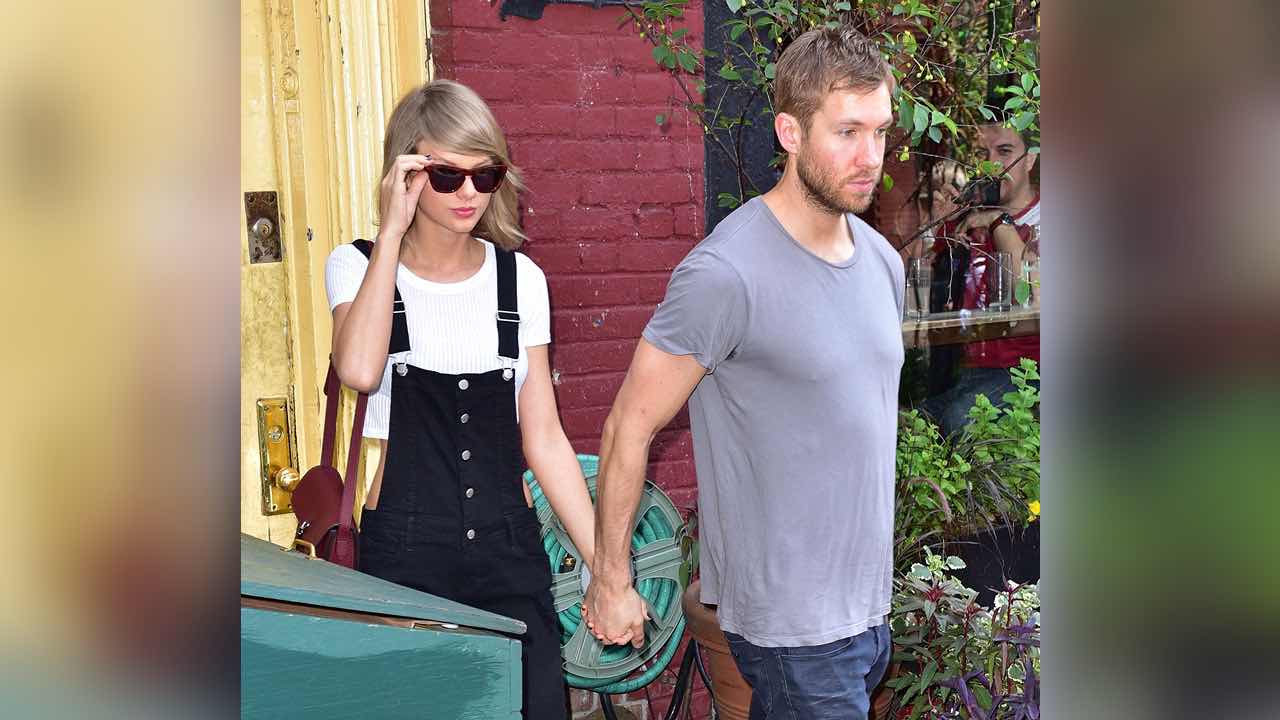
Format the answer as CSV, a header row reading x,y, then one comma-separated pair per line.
x,y
614,201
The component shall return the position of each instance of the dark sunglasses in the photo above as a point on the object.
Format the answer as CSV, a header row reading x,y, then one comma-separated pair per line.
x,y
447,178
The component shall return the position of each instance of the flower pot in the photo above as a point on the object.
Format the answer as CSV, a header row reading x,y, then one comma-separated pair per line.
x,y
992,557
730,690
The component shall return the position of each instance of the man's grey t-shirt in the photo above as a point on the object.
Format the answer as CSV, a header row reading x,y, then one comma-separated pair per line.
x,y
794,426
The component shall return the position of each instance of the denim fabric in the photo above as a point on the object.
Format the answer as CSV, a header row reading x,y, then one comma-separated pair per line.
x,y
951,408
820,682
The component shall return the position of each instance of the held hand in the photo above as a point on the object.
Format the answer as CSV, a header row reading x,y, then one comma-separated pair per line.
x,y
979,219
615,616
401,187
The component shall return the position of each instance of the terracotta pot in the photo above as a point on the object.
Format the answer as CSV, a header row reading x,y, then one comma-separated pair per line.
x,y
731,691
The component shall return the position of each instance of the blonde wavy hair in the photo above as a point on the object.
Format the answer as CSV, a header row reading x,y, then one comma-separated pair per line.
x,y
453,117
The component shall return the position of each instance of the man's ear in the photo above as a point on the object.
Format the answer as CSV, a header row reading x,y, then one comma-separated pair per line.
x,y
789,131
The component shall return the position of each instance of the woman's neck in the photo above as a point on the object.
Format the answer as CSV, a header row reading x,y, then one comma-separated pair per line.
x,y
437,254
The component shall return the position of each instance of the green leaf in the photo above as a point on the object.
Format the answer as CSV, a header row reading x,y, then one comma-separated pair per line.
x,y
736,31
935,134
842,5
982,696
1034,150
679,33
886,182
729,73
660,53
905,107
688,61
909,42
1023,120
955,563
1028,81
986,112
921,120
1022,292
770,70
728,200
660,118
734,5
1014,103
937,118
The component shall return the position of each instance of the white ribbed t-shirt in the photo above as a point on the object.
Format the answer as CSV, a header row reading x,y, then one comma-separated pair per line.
x,y
452,328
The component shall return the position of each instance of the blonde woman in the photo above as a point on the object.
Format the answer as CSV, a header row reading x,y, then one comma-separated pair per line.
x,y
447,327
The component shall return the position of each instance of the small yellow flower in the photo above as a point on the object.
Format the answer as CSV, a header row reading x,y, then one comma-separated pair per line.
x,y
1034,507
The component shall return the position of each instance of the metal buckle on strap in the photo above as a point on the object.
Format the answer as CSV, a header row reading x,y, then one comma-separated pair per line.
x,y
508,316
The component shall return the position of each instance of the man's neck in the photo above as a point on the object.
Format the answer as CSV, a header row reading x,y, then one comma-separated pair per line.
x,y
819,231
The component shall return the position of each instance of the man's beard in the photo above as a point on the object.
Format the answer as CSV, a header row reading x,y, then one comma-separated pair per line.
x,y
823,192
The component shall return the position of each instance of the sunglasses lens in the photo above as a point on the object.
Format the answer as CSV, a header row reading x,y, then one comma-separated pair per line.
x,y
488,179
445,179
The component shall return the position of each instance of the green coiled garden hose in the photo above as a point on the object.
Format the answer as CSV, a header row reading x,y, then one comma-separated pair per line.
x,y
656,556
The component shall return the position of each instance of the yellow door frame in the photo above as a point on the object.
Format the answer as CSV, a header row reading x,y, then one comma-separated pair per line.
x,y
337,67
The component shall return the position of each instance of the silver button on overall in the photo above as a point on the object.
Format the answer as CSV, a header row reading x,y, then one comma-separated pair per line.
x,y
471,492
506,374
466,418
471,534
463,384
466,454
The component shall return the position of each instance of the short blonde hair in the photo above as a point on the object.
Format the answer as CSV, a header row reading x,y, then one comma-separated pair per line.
x,y
452,116
822,61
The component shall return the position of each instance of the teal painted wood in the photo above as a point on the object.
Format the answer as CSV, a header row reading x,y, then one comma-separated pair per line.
x,y
268,572
302,666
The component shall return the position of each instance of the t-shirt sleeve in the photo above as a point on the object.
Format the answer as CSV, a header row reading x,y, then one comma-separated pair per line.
x,y
535,308
704,313
343,273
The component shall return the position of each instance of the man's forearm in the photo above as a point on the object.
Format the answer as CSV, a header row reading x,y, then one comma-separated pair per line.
x,y
619,484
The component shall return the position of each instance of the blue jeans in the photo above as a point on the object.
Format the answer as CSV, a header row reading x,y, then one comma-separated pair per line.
x,y
820,682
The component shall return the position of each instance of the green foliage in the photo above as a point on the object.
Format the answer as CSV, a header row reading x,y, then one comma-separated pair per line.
x,y
947,59
944,641
986,473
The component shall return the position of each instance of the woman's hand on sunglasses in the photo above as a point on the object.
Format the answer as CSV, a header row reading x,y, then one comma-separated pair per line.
x,y
401,187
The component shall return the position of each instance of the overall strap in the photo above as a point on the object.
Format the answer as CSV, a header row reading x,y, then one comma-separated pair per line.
x,y
508,315
399,326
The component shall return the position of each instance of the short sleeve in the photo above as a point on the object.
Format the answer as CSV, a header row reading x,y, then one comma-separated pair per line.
x,y
535,308
343,273
704,313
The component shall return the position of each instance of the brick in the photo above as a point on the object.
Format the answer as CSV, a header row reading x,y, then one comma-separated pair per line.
x,y
598,257
552,190
598,356
492,85
594,121
675,474
633,53
589,291
602,154
589,391
688,154
541,224
653,288
538,152
656,87
473,13
569,18
539,120
605,86
583,422
554,259
558,87
656,222
689,221
641,256
514,49
598,223
641,120
635,188
671,445
599,323
653,155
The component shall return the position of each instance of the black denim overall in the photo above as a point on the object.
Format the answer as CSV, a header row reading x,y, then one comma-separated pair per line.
x,y
451,518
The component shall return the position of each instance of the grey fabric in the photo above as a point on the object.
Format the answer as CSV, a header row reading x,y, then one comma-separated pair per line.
x,y
794,427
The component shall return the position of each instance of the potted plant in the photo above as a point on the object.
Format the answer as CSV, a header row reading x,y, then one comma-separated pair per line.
x,y
956,658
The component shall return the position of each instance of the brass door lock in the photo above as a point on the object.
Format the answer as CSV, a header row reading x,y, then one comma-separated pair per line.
x,y
279,456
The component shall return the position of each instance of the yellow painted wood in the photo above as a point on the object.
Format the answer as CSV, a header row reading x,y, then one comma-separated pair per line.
x,y
318,81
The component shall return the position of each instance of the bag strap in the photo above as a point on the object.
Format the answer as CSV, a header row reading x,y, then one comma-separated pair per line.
x,y
508,306
333,389
346,511
399,326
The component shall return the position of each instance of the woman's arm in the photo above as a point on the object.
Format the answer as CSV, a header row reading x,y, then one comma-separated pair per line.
x,y
551,457
362,327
